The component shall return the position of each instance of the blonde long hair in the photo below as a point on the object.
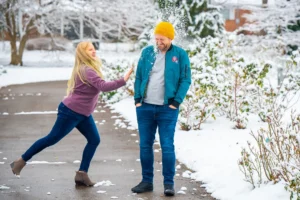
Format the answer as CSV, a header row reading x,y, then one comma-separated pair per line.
x,y
82,60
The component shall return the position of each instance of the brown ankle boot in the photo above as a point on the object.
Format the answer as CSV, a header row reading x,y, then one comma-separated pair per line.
x,y
82,178
17,166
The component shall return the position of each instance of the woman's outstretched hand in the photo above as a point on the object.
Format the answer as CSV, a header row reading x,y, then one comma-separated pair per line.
x,y
127,75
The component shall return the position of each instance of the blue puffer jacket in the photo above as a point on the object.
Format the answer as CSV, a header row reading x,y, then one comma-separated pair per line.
x,y
177,74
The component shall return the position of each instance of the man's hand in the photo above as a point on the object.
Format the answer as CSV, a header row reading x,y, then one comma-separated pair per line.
x,y
138,105
172,107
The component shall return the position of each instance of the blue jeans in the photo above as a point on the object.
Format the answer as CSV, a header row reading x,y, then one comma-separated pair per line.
x,y
150,117
65,122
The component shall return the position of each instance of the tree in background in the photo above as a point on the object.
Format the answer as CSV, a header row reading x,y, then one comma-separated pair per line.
x,y
294,25
203,19
200,18
164,10
276,27
119,20
9,22
272,33
171,11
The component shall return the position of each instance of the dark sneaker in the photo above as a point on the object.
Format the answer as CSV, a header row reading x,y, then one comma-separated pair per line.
x,y
142,187
169,190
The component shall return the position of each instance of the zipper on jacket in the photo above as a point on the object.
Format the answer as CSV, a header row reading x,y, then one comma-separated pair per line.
x,y
146,87
165,77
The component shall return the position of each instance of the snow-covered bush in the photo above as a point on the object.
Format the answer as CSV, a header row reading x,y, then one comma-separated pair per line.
x,y
202,100
223,82
282,94
145,38
275,154
113,71
240,93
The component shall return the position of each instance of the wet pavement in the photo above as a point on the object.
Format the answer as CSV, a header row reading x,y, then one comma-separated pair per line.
x,y
115,161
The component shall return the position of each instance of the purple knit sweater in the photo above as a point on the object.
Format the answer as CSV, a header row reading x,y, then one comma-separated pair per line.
x,y
84,98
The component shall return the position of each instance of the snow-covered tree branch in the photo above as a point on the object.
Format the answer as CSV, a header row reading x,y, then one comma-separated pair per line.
x,y
117,20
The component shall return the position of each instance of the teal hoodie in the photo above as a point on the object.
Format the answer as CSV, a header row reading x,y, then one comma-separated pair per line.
x,y
177,74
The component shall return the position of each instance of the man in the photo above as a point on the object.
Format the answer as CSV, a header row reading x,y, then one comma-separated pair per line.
x,y
163,78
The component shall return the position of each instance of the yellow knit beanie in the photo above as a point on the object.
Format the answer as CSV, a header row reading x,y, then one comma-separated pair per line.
x,y
165,29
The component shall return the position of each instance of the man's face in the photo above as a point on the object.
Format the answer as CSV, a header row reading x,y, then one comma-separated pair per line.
x,y
162,42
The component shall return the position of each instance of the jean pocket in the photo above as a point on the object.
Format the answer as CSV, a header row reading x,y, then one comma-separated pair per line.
x,y
139,106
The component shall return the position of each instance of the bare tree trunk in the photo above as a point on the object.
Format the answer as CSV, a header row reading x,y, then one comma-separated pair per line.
x,y
22,47
15,58
16,54
11,24
24,40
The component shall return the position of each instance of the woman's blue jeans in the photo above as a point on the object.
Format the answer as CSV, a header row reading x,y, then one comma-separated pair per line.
x,y
150,117
65,122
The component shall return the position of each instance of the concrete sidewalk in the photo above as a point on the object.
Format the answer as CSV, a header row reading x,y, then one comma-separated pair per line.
x,y
115,159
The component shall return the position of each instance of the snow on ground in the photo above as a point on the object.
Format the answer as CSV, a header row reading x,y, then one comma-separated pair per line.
x,y
44,162
241,2
36,113
213,154
21,75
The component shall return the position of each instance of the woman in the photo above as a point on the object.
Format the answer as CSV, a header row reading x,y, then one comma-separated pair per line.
x,y
75,110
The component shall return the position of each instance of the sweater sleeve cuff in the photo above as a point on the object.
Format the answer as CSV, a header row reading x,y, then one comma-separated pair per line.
x,y
175,104
137,100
